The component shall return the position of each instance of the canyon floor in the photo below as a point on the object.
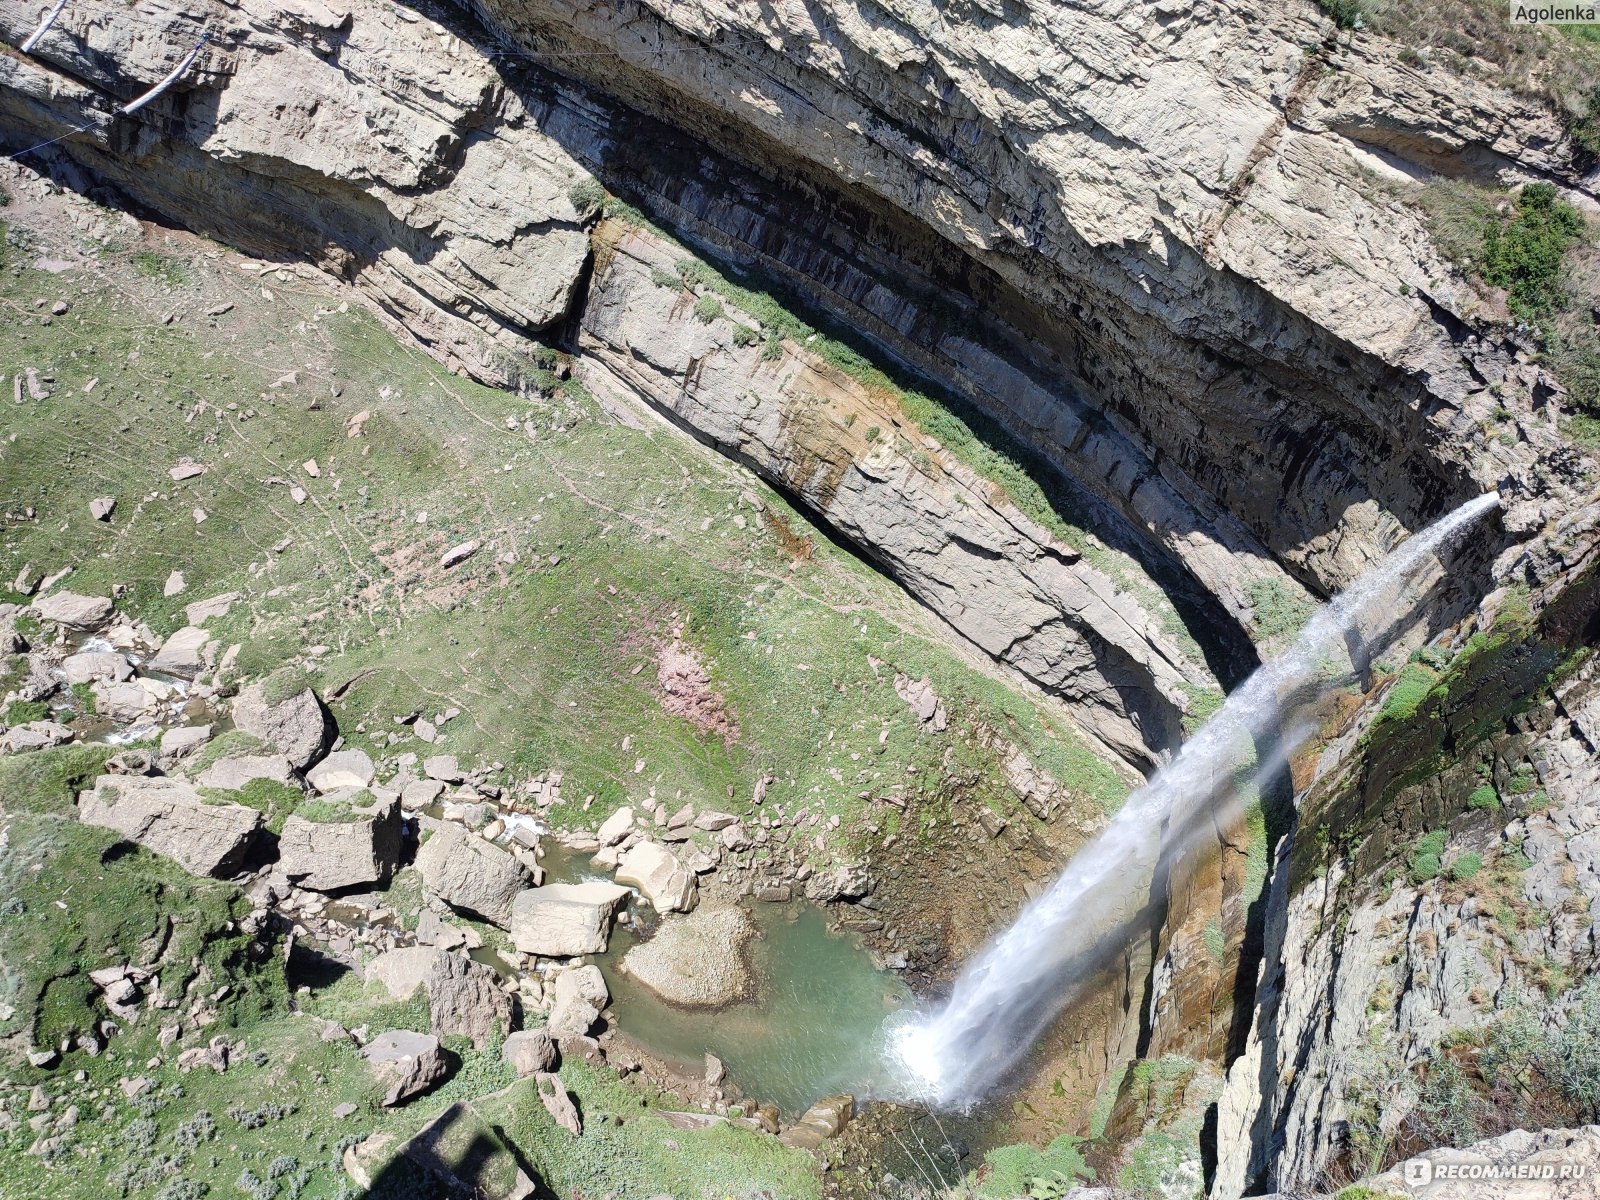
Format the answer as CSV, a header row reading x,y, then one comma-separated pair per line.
x,y
564,568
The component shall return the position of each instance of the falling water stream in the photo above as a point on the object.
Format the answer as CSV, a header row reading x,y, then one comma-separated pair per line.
x,y
1007,996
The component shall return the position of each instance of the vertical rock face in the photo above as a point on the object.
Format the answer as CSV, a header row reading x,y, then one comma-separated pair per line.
x,y
1362,981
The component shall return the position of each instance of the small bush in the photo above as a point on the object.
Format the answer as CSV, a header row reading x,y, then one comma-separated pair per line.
x,y
1346,14
1525,255
664,279
743,335
587,196
1278,610
1484,797
1466,867
708,309
1423,864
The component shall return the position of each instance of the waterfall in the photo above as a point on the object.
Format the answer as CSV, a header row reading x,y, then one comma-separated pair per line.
x,y
1007,996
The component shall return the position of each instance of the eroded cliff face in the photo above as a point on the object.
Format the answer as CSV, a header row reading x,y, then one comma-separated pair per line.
x,y
1168,250
1380,945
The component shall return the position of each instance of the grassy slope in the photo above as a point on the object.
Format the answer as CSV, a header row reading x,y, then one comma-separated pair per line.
x,y
539,655
619,535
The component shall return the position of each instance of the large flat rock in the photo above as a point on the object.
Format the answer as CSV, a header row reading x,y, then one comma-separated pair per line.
x,y
697,961
326,856
563,920
471,875
172,818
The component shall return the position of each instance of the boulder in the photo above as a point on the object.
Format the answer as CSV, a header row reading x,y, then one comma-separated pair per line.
x,y
616,827
91,665
405,1064
823,1120
442,767
35,735
715,822
465,998
231,774
580,994
325,856
183,653
458,1153
341,769
529,1051
471,875
185,739
553,1095
696,961
656,871
171,818
73,610
298,726
563,920
420,793
403,970
123,702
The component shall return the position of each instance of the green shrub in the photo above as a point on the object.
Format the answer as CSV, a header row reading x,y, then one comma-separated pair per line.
x,y
1423,864
1466,867
1524,256
1278,610
1346,14
664,279
1023,1171
743,335
1484,797
707,309
587,197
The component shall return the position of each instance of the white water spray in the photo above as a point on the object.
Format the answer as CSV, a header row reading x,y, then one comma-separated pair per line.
x,y
1022,980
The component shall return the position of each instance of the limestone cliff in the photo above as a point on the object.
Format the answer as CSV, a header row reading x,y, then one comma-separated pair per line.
x,y
1168,252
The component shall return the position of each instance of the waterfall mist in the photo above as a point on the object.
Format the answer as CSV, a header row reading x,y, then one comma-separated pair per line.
x,y
1008,995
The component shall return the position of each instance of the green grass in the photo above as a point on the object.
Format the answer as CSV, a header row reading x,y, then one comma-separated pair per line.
x,y
1024,1171
1484,797
1466,867
20,712
1424,861
1408,692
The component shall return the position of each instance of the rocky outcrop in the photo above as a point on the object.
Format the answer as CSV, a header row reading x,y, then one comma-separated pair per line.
x,y
697,961
297,725
1480,810
171,818
1520,1165
73,610
406,1064
470,874
564,920
361,849
1215,408
579,995
657,873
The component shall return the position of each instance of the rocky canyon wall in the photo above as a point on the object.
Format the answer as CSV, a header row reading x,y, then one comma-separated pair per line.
x,y
1163,259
